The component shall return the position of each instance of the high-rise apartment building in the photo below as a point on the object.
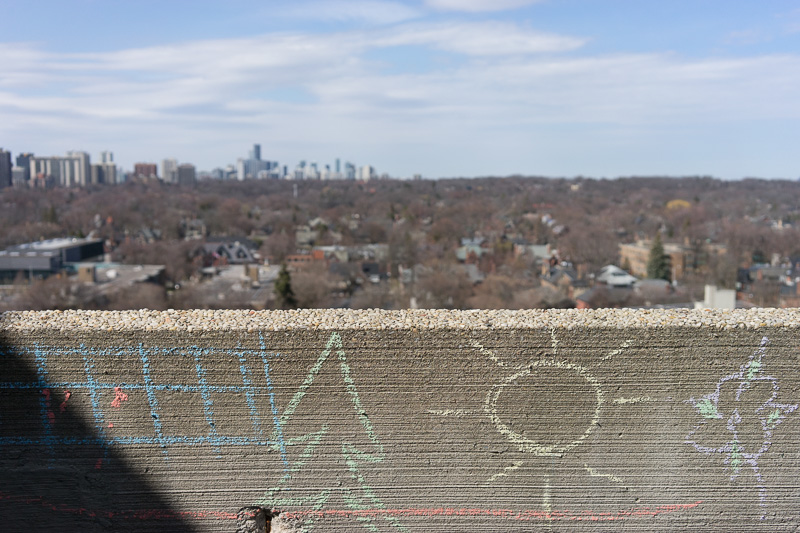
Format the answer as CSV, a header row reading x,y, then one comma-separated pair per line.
x,y
186,174
145,170
106,157
74,170
169,170
349,171
104,173
24,162
255,153
5,168
45,168
79,172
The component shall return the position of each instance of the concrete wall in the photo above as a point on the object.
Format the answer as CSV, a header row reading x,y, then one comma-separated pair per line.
x,y
414,421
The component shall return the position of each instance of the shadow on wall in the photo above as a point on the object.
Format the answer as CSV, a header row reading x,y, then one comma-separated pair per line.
x,y
56,472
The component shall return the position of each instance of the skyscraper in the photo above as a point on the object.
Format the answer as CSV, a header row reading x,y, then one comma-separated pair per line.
x,y
186,174
255,153
24,161
145,170
5,168
80,169
169,170
105,173
74,170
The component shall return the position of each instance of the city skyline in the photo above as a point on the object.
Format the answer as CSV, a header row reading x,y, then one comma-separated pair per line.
x,y
442,88
74,169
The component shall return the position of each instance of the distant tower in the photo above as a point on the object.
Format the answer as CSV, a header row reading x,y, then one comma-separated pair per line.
x,y
186,174
338,166
24,161
5,168
81,169
145,170
256,152
106,157
169,170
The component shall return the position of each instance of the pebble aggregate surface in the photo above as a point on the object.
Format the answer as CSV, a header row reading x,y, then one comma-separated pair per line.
x,y
374,319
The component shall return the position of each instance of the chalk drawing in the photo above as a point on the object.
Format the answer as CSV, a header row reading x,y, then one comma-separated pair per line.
x,y
152,399
557,446
744,406
505,472
369,514
119,397
63,406
618,351
547,504
524,443
459,413
208,403
505,514
97,390
51,416
641,399
359,496
527,444
488,353
97,411
276,421
250,392
45,411
595,473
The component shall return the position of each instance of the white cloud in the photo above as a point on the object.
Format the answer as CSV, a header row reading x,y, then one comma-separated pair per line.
x,y
478,5
369,11
479,39
196,92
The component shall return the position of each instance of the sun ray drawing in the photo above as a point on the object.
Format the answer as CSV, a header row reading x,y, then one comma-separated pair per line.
x,y
532,376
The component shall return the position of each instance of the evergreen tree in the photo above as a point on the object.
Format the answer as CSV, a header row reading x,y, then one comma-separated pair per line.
x,y
283,289
658,262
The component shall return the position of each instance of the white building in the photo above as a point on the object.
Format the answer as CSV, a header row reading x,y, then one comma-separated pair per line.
x,y
169,170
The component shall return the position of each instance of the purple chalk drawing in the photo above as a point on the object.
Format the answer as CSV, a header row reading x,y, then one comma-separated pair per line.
x,y
738,418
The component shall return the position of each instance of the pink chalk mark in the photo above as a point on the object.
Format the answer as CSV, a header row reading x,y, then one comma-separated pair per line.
x,y
51,416
119,397
508,514
111,424
67,394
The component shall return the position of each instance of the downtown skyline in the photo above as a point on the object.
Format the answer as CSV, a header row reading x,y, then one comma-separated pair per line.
x,y
442,88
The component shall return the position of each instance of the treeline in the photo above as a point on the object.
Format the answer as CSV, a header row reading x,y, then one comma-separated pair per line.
x,y
423,223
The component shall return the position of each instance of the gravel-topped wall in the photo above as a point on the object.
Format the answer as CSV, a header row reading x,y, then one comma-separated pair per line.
x,y
400,421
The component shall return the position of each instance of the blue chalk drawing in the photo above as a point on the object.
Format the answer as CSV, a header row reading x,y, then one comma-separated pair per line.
x,y
152,399
161,436
97,411
44,409
738,418
276,419
208,403
249,394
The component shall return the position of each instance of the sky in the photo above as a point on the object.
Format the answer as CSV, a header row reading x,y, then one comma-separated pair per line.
x,y
442,88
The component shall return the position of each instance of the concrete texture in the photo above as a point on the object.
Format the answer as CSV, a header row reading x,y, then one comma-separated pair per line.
x,y
415,421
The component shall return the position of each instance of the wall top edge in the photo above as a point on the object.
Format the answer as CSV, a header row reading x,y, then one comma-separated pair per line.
x,y
374,319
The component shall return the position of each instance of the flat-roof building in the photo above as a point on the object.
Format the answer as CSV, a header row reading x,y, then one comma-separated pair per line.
x,y
41,259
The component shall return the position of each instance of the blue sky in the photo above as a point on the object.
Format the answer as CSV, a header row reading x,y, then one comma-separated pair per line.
x,y
444,88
